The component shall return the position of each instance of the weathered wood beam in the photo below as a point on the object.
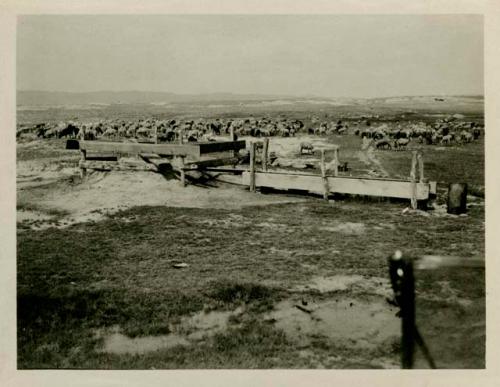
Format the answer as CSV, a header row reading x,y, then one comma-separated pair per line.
x,y
220,146
343,185
136,148
201,164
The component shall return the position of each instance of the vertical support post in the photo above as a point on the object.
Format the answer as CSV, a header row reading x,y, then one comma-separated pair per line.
x,y
265,151
408,315
83,157
420,167
336,158
183,172
413,178
181,134
252,166
323,175
403,285
231,138
156,135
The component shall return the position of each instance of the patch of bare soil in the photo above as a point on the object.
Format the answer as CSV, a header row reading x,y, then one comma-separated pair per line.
x,y
356,284
346,322
346,228
104,193
195,328
367,156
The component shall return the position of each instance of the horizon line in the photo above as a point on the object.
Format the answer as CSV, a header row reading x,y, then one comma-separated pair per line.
x,y
250,94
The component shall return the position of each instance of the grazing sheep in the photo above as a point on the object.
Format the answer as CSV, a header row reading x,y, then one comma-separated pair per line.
x,y
306,148
383,144
446,139
401,143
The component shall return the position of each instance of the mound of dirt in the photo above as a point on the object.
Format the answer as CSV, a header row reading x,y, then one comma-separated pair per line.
x,y
103,193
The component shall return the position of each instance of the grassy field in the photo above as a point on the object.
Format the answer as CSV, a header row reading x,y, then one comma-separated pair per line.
x,y
77,284
111,273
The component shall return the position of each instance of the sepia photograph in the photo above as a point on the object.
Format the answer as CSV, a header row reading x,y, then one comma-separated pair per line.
x,y
245,191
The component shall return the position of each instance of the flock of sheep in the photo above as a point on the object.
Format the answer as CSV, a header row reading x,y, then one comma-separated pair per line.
x,y
441,132
385,136
171,130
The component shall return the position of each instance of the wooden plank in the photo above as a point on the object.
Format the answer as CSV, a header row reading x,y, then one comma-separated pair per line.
x,y
220,146
101,156
201,164
114,166
234,171
344,185
135,148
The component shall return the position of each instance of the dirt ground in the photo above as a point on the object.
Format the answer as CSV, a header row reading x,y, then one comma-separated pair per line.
x,y
131,270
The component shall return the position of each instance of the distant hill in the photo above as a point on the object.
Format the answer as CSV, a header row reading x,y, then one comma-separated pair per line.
x,y
42,100
45,98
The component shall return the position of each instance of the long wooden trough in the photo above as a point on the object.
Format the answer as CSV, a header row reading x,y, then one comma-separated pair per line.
x,y
344,185
192,150
207,156
416,188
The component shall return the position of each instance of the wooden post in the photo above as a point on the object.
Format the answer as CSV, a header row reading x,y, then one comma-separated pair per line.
x,y
323,175
156,134
183,172
408,315
181,134
336,158
413,178
252,166
265,151
231,138
420,167
83,170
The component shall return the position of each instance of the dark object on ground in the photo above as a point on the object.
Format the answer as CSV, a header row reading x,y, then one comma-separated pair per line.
x,y
72,144
457,198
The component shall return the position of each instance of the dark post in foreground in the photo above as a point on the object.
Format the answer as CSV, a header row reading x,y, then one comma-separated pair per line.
x,y
401,273
403,284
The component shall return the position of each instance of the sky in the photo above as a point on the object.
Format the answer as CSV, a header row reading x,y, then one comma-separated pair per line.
x,y
323,55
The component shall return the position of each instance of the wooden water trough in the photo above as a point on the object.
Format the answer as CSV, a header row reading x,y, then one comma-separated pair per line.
x,y
194,150
416,189
182,157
